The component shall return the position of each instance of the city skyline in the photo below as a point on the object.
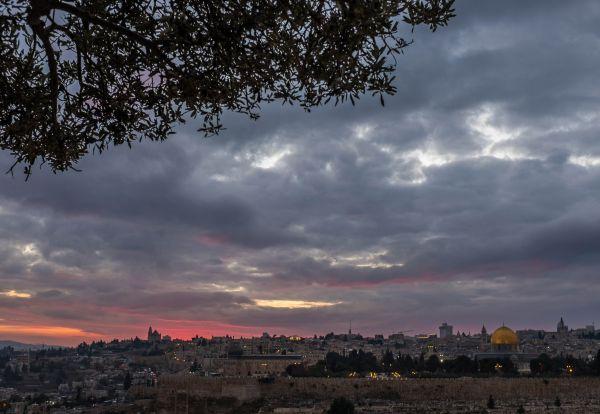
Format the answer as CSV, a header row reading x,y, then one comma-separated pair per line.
x,y
472,196
185,334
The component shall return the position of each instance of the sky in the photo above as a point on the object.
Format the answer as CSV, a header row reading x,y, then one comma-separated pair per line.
x,y
472,197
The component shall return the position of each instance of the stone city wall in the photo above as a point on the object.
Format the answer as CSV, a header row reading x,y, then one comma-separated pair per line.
x,y
461,389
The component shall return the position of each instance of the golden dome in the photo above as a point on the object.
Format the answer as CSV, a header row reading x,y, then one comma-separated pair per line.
x,y
504,336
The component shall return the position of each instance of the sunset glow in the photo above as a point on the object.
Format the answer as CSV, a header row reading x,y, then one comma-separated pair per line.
x,y
292,304
49,331
15,294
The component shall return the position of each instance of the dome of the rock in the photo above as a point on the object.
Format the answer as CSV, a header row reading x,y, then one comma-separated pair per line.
x,y
504,339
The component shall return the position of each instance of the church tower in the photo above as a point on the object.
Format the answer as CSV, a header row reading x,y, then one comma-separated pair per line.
x,y
153,335
561,328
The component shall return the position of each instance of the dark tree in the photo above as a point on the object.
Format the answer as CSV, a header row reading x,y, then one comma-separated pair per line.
x,y
356,361
296,370
11,376
361,361
596,363
317,370
508,367
404,363
79,75
421,363
195,367
334,362
79,395
341,405
127,381
491,403
461,365
557,402
497,366
433,363
388,361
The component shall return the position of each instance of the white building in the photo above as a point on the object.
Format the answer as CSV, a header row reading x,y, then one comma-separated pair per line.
x,y
445,330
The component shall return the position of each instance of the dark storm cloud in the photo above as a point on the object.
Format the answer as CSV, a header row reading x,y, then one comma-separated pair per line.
x,y
479,180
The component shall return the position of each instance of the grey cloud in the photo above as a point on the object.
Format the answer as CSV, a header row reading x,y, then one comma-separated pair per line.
x,y
469,177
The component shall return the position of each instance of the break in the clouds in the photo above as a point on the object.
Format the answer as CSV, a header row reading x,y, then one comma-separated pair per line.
x,y
473,196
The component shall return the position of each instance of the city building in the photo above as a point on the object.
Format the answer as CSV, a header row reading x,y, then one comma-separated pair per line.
x,y
251,365
561,328
504,344
153,335
445,330
504,340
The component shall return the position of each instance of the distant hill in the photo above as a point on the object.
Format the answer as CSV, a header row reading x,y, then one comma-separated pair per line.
x,y
19,346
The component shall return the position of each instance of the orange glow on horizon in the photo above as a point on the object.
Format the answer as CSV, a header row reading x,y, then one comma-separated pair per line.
x,y
40,330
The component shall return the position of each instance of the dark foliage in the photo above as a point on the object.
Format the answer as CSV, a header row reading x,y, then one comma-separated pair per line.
x,y
596,363
461,365
545,365
296,370
388,361
79,75
10,376
433,364
356,361
497,366
341,405
491,403
127,381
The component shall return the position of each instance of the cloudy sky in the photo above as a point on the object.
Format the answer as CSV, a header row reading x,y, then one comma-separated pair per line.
x,y
472,197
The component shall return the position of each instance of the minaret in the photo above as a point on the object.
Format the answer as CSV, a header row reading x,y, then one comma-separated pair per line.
x,y
150,332
484,338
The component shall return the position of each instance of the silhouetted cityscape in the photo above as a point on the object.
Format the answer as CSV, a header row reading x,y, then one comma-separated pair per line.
x,y
145,373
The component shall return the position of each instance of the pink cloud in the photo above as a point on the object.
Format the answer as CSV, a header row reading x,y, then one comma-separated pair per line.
x,y
212,239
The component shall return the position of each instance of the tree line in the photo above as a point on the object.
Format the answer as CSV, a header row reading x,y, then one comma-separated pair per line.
x,y
361,364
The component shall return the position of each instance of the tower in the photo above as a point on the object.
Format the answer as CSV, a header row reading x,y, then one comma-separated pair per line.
x,y
445,330
484,339
561,328
153,335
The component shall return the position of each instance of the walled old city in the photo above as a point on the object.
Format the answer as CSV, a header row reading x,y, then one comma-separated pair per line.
x,y
501,370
